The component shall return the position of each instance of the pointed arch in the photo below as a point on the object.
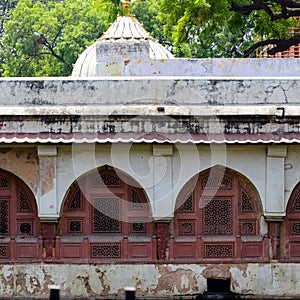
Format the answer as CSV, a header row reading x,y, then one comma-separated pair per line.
x,y
292,226
106,216
217,216
19,224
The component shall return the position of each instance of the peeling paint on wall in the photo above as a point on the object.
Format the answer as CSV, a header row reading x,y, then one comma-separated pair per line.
x,y
23,162
47,174
161,280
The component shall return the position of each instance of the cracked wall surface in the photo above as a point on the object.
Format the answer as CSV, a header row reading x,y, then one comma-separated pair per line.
x,y
165,90
149,279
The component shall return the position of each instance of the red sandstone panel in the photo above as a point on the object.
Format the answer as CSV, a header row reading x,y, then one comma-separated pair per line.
x,y
139,250
27,251
252,249
71,251
185,250
294,249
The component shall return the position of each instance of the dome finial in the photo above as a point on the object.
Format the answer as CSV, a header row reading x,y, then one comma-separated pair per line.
x,y
126,7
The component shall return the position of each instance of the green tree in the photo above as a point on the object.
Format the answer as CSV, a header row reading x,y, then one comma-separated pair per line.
x,y
45,38
274,18
212,28
146,11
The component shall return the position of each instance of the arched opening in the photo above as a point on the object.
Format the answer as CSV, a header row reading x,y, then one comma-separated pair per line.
x,y
19,224
218,217
292,226
106,217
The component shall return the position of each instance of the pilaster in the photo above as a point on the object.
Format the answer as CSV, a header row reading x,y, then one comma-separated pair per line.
x,y
162,181
274,201
47,197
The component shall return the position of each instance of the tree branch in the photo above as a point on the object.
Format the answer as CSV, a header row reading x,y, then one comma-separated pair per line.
x,y
279,45
58,57
289,8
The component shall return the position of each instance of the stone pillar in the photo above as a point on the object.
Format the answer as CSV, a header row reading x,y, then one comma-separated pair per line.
x,y
49,232
274,202
162,181
274,236
47,202
163,238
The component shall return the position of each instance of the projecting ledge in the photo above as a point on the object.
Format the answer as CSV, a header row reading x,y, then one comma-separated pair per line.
x,y
185,109
274,217
49,218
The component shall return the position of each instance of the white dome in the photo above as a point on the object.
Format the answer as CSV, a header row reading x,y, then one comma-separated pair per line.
x,y
119,40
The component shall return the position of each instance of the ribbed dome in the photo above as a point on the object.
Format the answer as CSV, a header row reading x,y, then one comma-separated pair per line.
x,y
124,40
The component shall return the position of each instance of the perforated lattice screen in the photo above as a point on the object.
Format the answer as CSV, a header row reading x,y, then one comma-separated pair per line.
x,y
217,181
138,228
76,201
295,228
4,217
247,227
3,251
25,228
187,227
24,203
136,201
4,183
296,206
188,206
217,216
106,179
218,250
106,215
246,204
75,226
106,250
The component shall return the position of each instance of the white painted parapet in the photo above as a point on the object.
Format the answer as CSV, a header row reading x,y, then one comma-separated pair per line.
x,y
212,67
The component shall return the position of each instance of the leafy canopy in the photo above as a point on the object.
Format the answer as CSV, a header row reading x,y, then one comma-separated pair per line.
x,y
44,39
210,28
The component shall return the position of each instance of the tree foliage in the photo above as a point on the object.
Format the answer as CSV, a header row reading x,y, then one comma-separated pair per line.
x,y
271,11
212,28
45,38
6,7
146,11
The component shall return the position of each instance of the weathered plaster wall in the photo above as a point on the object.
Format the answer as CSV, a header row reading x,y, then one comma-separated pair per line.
x,y
23,162
212,67
149,279
138,162
29,92
292,171
187,160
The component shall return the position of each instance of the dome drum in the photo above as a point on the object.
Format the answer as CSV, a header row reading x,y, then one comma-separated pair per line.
x,y
125,40
120,51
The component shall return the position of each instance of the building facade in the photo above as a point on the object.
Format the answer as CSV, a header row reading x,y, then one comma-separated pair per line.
x,y
179,172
